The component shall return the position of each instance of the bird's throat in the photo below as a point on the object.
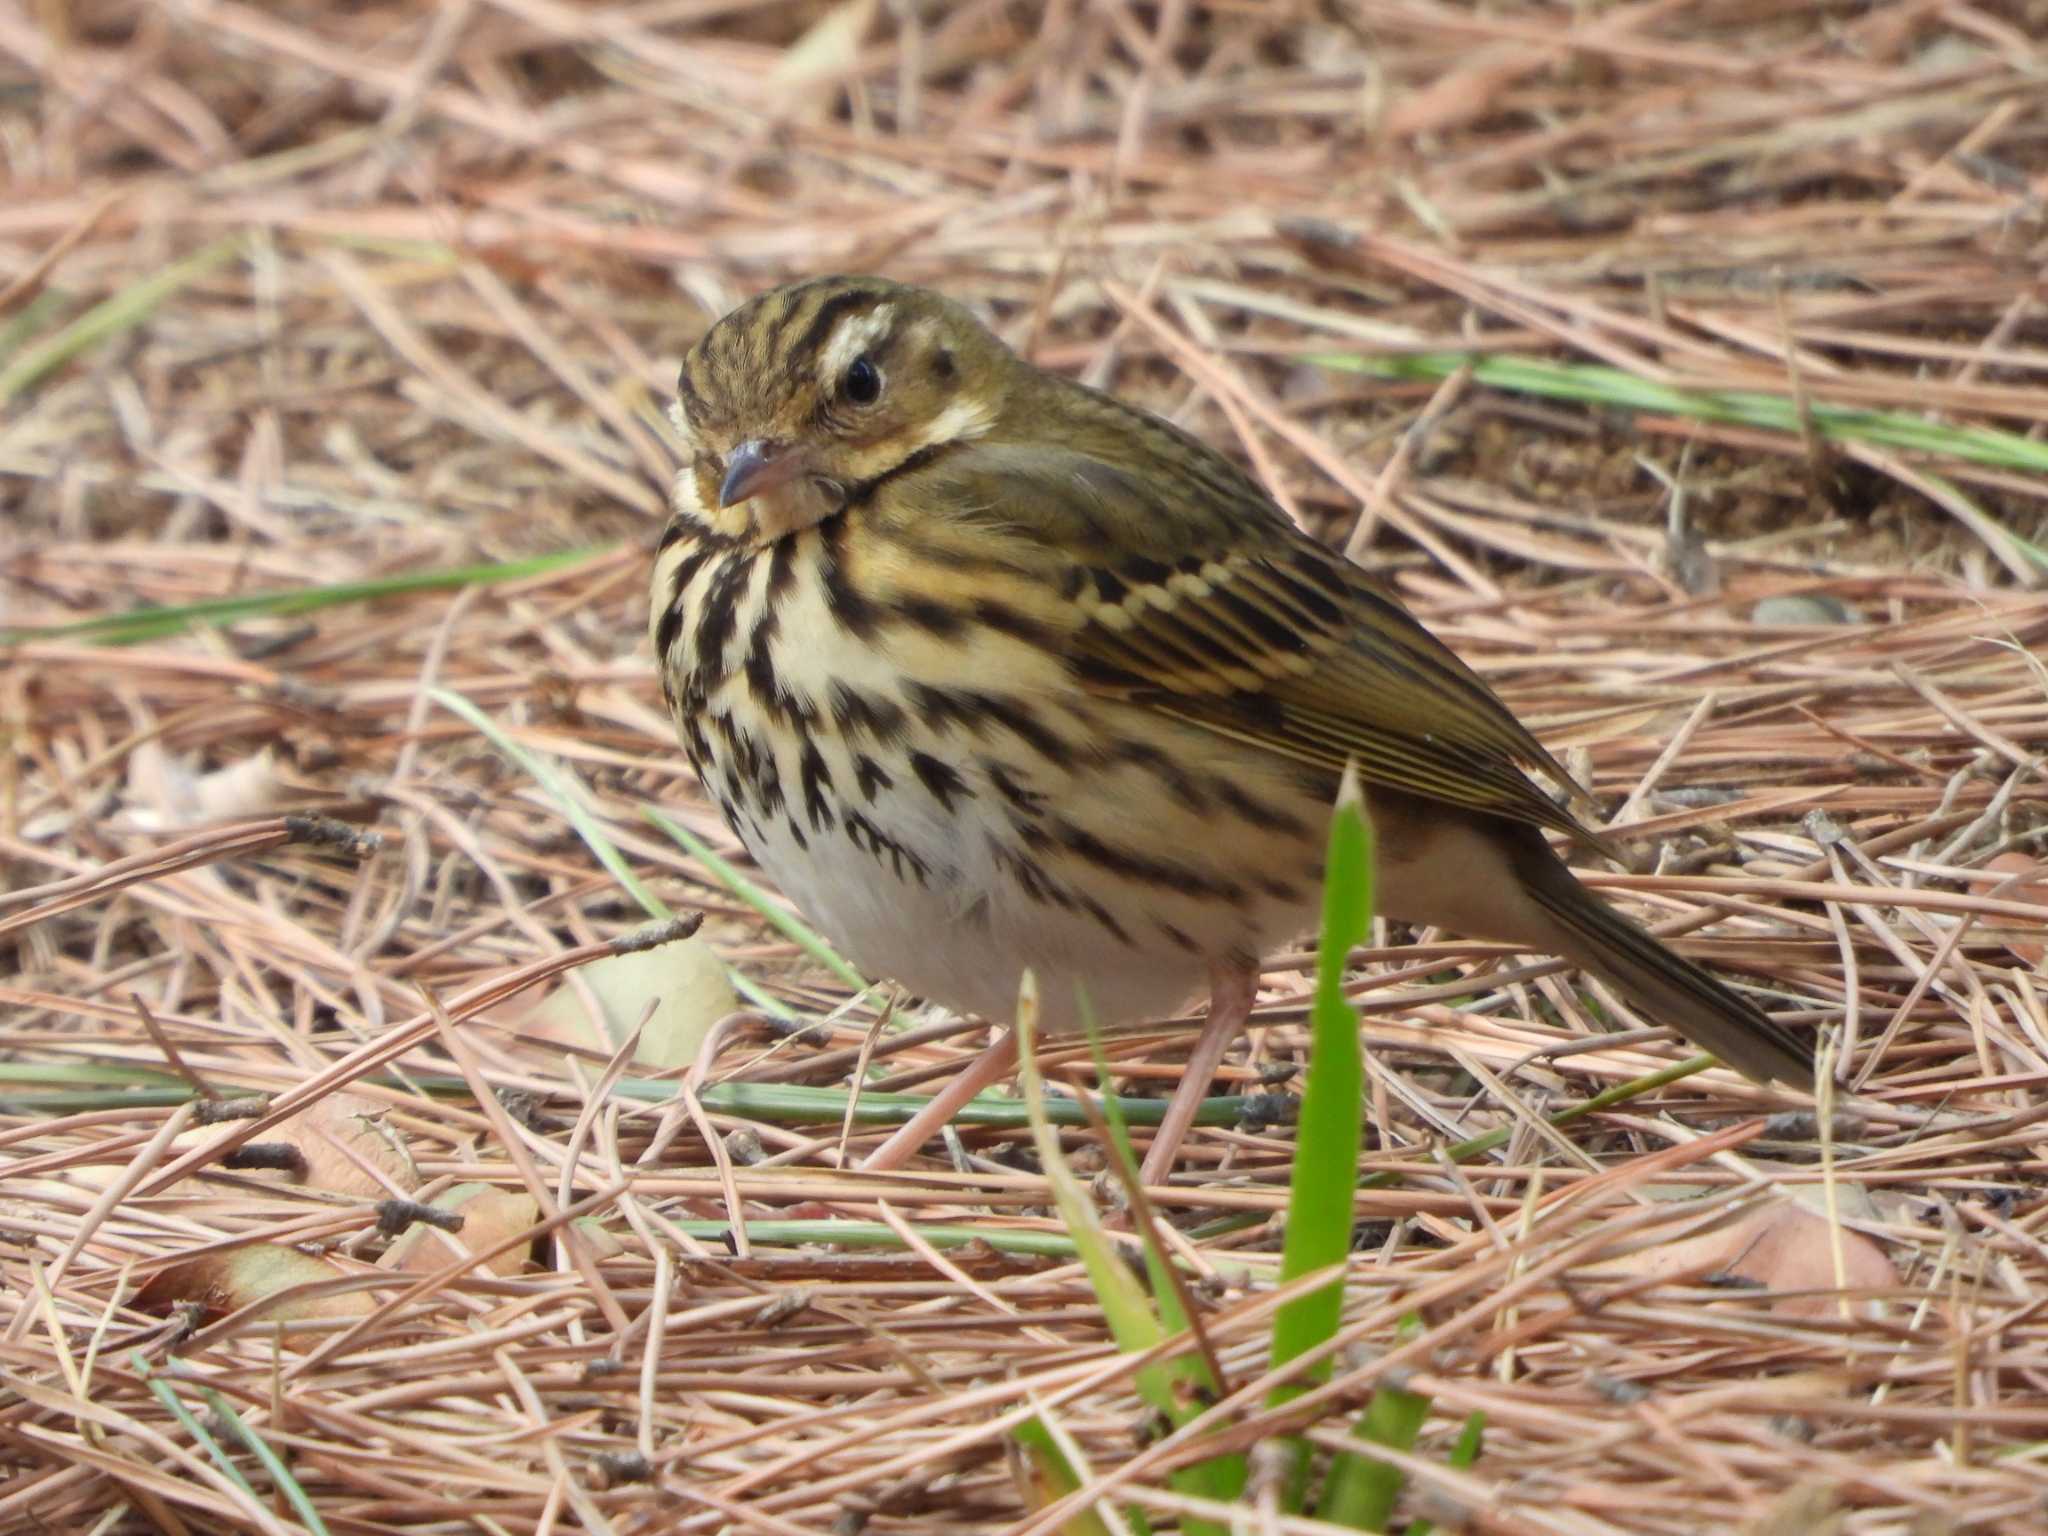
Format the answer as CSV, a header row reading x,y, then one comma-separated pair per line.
x,y
762,519
801,503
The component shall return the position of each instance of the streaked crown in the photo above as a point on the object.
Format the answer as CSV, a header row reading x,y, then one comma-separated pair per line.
x,y
808,397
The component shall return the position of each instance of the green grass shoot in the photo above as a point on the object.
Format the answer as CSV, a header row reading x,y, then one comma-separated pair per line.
x,y
1178,1386
1056,1477
84,1087
1358,1491
143,624
561,788
1597,384
1362,1489
772,912
114,314
1325,1180
224,1412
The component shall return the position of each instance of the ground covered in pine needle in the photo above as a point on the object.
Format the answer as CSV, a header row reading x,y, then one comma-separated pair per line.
x,y
1683,365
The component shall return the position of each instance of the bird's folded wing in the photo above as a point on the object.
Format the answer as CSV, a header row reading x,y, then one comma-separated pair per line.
x,y
1308,664
1198,598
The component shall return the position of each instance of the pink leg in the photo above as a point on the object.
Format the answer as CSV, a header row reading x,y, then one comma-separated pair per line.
x,y
1232,990
990,1067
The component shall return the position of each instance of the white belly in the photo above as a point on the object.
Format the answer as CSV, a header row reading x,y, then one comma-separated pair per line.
x,y
951,924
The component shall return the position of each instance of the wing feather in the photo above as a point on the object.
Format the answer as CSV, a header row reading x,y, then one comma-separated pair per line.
x,y
1198,598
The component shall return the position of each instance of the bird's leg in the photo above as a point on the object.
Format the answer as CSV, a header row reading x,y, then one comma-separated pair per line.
x,y
1232,990
990,1067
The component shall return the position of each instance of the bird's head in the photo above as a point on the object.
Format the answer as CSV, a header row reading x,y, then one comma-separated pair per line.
x,y
808,398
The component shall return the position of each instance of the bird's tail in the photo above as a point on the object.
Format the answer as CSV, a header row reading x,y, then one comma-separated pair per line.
x,y
1665,986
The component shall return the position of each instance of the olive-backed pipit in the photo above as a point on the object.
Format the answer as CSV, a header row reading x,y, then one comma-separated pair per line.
x,y
992,671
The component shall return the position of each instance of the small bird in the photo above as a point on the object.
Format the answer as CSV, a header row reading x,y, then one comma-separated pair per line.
x,y
989,671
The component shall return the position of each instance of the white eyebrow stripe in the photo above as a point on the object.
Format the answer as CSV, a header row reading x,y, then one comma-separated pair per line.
x,y
853,336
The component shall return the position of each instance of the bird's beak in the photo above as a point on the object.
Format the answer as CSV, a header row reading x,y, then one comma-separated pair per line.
x,y
755,467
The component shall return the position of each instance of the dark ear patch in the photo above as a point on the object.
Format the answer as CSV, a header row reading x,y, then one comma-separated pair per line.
x,y
943,366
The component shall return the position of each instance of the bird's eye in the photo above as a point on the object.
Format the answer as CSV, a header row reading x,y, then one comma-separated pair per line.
x,y
863,382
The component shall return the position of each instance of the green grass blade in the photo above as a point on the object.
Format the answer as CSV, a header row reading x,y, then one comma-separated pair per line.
x,y
1220,1477
280,1474
1470,1438
112,315
1177,1387
1057,1477
835,1233
157,623
79,1101
1322,1189
1464,1151
777,1103
16,329
1362,1489
1319,1205
796,1104
101,1074
569,796
780,918
563,791
1165,1294
1125,1307
1597,384
190,1422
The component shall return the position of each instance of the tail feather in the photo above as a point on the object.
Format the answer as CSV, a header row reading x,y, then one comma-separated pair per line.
x,y
1668,988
